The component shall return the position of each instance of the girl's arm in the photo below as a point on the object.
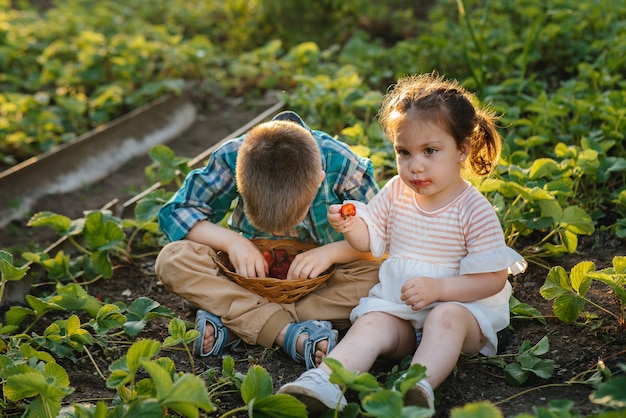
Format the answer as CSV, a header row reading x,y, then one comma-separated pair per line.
x,y
422,291
353,228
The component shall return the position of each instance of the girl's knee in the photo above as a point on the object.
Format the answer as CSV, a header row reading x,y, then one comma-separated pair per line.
x,y
449,316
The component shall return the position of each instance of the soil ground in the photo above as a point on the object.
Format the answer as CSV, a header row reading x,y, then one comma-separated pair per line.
x,y
575,349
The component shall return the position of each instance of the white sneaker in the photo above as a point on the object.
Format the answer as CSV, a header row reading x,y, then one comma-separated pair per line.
x,y
421,395
314,390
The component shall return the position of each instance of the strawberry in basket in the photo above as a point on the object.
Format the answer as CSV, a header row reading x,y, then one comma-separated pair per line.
x,y
281,263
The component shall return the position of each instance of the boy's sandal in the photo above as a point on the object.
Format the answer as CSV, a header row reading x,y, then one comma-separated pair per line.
x,y
316,331
220,331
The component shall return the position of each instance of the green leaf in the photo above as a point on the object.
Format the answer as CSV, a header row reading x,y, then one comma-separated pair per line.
x,y
123,370
161,154
140,351
543,167
52,384
144,307
187,395
102,264
383,403
579,278
544,368
102,234
148,207
257,384
514,375
279,406
414,374
480,409
16,314
58,268
567,307
570,241
179,334
521,310
140,311
8,272
576,220
551,209
619,264
540,348
40,306
108,317
60,223
74,297
556,283
611,393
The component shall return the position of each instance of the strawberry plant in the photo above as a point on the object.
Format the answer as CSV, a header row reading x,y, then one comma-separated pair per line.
x,y
570,292
8,271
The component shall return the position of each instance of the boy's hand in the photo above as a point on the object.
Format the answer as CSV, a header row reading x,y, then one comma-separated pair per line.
x,y
310,263
340,220
247,259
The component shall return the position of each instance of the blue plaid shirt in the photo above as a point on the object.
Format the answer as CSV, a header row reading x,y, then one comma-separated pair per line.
x,y
210,192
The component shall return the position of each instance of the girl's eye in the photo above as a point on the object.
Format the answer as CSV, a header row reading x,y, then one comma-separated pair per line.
x,y
402,153
430,151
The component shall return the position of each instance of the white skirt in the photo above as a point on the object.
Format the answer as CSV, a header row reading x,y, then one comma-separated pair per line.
x,y
492,313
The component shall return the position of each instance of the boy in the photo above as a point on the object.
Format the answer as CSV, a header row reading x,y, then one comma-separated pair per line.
x,y
281,178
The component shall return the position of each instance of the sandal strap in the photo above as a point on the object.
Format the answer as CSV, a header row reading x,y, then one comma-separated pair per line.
x,y
220,331
316,331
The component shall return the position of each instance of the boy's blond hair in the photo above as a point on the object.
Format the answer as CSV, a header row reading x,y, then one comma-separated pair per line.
x,y
278,174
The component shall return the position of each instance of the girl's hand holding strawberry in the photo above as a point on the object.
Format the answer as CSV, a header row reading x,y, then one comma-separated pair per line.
x,y
343,219
340,220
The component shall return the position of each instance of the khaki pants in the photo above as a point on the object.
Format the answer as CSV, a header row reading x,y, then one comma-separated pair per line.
x,y
188,269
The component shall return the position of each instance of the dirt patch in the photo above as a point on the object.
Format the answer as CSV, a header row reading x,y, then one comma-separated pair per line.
x,y
576,349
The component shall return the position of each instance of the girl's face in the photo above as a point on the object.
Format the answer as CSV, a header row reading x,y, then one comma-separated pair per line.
x,y
429,162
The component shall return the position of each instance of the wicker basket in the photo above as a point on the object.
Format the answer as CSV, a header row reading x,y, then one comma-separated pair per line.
x,y
272,289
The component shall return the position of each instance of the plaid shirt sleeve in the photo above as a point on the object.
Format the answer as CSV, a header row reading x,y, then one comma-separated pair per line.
x,y
348,177
207,193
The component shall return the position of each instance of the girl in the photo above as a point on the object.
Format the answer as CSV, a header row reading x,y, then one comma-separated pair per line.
x,y
445,274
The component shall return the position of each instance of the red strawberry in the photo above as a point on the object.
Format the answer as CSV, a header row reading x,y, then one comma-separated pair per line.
x,y
280,255
348,209
279,271
268,257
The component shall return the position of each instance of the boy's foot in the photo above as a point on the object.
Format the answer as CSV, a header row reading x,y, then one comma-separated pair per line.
x,y
308,342
214,336
314,389
208,340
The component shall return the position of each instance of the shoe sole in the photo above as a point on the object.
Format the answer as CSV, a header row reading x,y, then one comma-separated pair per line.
x,y
416,396
313,405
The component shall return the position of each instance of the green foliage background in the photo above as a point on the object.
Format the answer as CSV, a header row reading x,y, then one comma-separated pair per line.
x,y
554,70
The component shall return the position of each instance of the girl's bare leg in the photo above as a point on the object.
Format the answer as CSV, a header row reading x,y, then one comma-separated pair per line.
x,y
450,329
373,335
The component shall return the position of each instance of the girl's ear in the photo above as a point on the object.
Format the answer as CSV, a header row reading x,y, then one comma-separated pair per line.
x,y
464,151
